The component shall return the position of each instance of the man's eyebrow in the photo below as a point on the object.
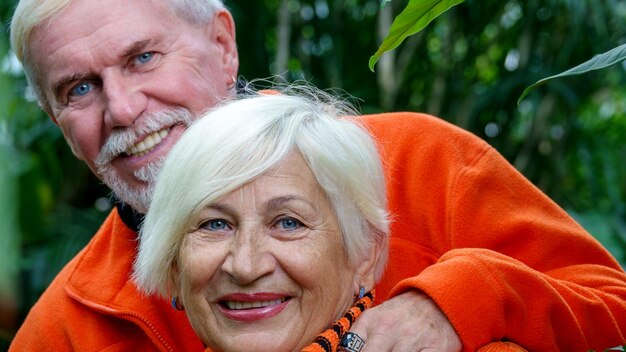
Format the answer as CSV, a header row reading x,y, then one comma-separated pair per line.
x,y
60,85
136,48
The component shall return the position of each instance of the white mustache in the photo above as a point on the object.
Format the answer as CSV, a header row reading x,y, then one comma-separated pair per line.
x,y
124,138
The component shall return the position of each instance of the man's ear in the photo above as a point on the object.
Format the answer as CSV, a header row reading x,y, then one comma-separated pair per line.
x,y
223,32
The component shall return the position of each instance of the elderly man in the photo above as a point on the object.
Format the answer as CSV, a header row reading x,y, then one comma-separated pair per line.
x,y
477,254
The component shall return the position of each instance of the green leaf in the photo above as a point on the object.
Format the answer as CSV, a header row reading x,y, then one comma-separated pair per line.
x,y
598,62
416,15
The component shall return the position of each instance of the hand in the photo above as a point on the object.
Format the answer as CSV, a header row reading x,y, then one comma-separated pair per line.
x,y
406,323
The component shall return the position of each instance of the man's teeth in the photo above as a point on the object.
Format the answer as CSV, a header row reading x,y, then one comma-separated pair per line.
x,y
147,144
236,305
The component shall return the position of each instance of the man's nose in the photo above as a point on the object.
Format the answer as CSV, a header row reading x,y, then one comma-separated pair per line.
x,y
124,99
249,258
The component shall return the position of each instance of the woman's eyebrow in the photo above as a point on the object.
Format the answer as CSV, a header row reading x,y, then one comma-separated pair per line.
x,y
278,202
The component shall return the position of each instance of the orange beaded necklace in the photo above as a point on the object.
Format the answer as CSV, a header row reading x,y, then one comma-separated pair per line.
x,y
328,341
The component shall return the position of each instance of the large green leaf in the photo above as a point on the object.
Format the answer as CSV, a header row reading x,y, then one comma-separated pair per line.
x,y
416,15
598,62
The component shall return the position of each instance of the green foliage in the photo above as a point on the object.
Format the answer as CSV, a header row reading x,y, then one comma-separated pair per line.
x,y
417,15
47,211
601,61
9,228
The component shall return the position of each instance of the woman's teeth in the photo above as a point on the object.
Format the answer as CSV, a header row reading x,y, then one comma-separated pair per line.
x,y
236,305
147,144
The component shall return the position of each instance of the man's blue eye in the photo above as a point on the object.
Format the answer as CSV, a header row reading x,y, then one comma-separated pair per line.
x,y
81,89
145,57
289,223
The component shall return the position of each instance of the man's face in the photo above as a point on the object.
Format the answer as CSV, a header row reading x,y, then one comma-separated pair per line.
x,y
119,73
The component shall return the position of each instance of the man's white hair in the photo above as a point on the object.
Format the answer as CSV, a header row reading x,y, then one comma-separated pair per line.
x,y
242,139
29,14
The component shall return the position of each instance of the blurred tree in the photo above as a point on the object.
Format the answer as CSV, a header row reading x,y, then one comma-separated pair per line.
x,y
11,236
468,66
47,211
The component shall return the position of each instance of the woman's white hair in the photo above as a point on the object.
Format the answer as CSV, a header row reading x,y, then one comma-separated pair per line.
x,y
241,140
29,14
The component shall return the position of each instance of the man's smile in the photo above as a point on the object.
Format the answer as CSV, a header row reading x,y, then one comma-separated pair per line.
x,y
148,143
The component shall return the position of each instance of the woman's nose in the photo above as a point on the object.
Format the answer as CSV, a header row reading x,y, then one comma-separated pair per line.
x,y
249,258
124,99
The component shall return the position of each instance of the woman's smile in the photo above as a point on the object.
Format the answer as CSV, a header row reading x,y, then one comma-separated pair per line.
x,y
252,307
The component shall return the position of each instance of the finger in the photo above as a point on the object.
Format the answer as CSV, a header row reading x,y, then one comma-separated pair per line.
x,y
351,342
378,342
373,328
375,340
360,328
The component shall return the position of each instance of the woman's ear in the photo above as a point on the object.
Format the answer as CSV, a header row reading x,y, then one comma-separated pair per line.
x,y
173,281
366,270
174,287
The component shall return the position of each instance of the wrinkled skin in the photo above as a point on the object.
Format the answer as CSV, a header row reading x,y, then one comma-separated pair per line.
x,y
407,323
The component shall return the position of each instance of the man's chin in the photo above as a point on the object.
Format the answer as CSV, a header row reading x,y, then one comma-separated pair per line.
x,y
137,206
138,192
137,197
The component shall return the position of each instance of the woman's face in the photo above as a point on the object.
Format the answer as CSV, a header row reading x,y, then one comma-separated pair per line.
x,y
266,268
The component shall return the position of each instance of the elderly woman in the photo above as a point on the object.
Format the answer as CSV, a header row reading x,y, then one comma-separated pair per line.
x,y
269,224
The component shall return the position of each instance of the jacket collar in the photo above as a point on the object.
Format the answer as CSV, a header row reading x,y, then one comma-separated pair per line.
x,y
102,271
129,216
101,280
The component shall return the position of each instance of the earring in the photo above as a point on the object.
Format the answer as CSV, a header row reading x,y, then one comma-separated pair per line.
x,y
176,305
361,292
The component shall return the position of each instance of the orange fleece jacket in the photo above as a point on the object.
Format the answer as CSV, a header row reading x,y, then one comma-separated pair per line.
x,y
503,261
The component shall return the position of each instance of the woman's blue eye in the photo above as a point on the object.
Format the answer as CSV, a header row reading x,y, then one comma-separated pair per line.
x,y
289,223
216,225
81,89
145,57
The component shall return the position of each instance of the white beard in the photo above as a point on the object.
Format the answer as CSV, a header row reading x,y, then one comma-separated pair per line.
x,y
138,198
